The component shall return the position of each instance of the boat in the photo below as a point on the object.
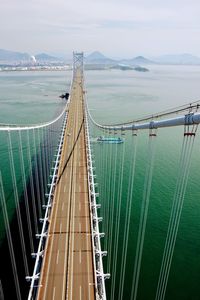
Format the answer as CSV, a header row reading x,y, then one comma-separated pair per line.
x,y
110,140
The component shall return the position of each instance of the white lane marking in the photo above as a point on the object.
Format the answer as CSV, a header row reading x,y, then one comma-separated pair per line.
x,y
57,257
73,219
80,250
65,257
80,256
63,206
54,292
80,292
79,227
52,239
60,227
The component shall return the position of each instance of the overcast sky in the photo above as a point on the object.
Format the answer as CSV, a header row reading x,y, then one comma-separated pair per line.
x,y
117,28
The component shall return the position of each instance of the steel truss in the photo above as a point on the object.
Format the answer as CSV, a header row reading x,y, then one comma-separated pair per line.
x,y
77,63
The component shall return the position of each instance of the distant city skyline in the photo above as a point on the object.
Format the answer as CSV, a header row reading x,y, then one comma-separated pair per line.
x,y
114,27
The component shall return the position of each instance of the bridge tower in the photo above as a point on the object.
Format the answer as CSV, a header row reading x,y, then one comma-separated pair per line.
x,y
77,62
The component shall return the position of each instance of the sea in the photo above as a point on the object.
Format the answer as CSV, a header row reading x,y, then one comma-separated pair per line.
x,y
116,96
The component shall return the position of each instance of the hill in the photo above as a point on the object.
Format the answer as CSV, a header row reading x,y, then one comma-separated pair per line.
x,y
98,58
12,56
139,60
43,57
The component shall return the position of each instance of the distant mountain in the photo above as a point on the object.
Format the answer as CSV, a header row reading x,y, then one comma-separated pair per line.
x,y
178,59
182,59
98,58
139,60
43,57
94,59
12,56
66,57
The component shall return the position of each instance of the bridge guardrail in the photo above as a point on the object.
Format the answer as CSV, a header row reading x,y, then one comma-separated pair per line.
x,y
100,276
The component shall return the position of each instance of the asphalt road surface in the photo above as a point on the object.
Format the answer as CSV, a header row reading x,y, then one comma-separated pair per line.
x,y
67,270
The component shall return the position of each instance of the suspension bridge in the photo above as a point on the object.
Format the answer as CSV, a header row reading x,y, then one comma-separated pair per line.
x,y
74,201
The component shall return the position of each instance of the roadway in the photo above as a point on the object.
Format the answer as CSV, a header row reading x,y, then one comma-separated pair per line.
x,y
67,270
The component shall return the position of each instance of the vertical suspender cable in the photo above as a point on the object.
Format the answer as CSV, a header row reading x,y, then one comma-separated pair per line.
x,y
118,215
23,174
1,291
50,140
99,153
50,143
9,238
175,216
43,160
48,151
36,175
106,196
143,216
166,250
128,215
54,128
46,154
31,183
108,170
107,237
101,168
40,166
111,217
17,205
103,194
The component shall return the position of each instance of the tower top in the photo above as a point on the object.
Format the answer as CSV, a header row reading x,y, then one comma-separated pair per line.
x,y
77,61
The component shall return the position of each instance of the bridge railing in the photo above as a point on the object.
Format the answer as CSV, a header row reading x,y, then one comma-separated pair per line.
x,y
98,254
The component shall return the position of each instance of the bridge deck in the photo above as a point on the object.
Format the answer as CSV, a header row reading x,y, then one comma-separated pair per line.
x,y
67,270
